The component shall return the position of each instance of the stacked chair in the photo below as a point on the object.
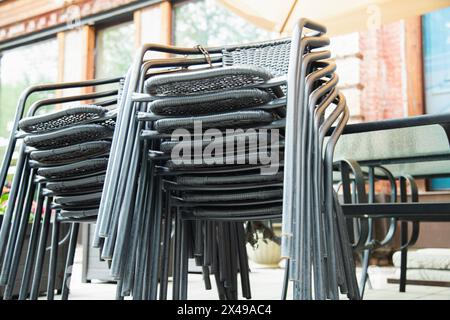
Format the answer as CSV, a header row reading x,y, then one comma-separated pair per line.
x,y
314,235
61,164
204,202
166,180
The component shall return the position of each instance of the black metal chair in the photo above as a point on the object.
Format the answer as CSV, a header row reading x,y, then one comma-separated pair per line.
x,y
52,155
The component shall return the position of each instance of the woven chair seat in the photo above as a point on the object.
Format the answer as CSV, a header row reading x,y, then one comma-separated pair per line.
x,y
78,169
69,136
86,189
61,119
211,103
88,184
238,159
87,200
204,81
242,212
232,196
77,214
227,179
238,119
222,148
238,140
71,153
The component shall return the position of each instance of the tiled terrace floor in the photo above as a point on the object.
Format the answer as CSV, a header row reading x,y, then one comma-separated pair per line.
x,y
266,284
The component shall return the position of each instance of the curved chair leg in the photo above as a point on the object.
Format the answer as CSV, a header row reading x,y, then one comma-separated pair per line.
x,y
405,242
74,228
53,260
31,252
285,281
20,238
119,295
184,256
177,259
243,261
37,275
14,210
403,256
166,254
364,271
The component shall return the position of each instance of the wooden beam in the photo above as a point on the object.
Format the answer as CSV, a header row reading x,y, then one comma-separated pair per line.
x,y
15,11
88,58
61,53
137,20
166,22
414,66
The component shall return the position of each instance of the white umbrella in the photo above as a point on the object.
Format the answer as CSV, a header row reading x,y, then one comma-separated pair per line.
x,y
340,16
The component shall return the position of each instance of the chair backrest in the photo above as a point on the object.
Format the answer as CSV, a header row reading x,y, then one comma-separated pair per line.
x,y
271,55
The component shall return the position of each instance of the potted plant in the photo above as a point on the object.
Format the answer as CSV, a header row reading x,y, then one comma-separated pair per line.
x,y
263,244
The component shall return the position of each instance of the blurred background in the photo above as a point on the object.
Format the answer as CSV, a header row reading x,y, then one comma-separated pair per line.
x,y
393,56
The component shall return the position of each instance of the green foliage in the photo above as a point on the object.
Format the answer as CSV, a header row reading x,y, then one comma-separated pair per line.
x,y
20,68
3,202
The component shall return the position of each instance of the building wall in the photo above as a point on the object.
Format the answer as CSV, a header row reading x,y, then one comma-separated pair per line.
x,y
382,73
18,18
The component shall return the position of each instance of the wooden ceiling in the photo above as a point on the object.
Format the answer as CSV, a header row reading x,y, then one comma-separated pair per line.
x,y
12,11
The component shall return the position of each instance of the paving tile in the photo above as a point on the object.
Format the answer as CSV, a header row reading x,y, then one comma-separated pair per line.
x,y
266,284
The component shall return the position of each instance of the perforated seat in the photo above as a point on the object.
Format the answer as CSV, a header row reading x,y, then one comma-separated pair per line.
x,y
211,103
76,186
232,196
212,212
77,214
239,140
209,80
78,169
79,201
69,136
70,154
227,179
61,119
239,119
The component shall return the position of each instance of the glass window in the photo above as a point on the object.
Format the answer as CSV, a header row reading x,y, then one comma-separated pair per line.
x,y
114,50
436,55
73,60
19,68
208,23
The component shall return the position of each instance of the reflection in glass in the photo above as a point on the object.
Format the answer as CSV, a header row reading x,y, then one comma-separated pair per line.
x,y
207,23
20,68
114,50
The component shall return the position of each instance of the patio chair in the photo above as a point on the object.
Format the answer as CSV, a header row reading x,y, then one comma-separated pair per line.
x,y
303,223
234,118
405,152
50,150
122,219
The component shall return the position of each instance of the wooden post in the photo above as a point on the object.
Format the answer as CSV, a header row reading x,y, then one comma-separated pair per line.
x,y
137,20
88,55
414,66
61,49
166,22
